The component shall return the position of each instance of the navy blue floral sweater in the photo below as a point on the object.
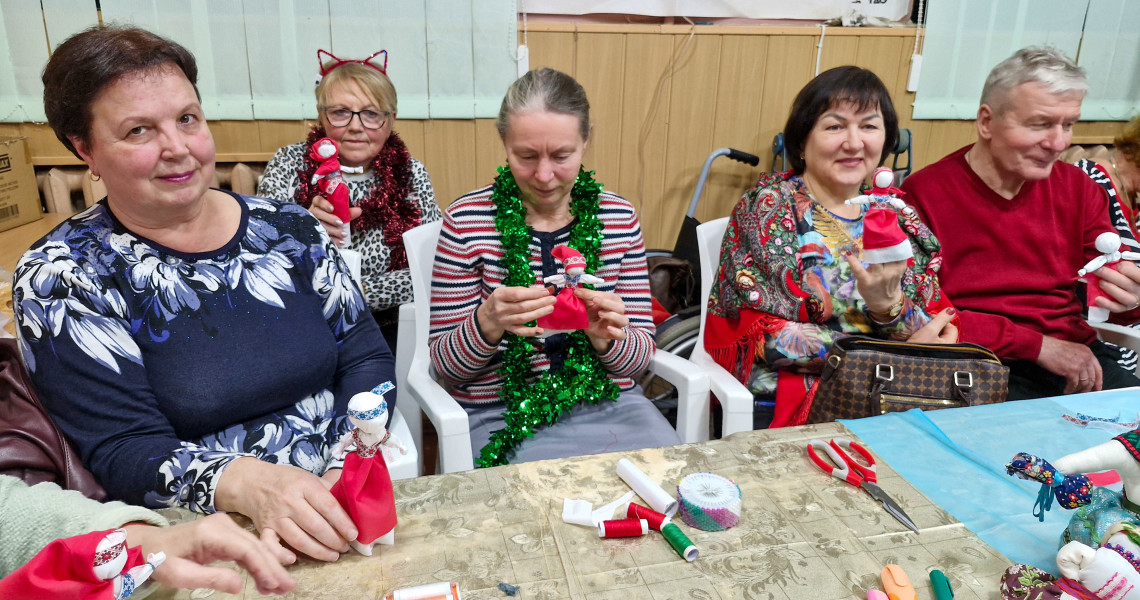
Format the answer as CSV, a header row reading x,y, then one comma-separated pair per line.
x,y
162,367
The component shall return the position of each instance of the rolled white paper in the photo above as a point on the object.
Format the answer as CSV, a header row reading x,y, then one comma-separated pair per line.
x,y
653,494
420,592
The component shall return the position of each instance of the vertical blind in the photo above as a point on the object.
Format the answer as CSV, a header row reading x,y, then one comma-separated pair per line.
x,y
257,59
966,38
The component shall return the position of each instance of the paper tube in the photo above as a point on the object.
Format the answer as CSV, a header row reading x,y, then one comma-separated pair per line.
x,y
653,494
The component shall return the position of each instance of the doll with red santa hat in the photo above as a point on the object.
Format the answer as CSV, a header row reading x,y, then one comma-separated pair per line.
x,y
569,311
329,180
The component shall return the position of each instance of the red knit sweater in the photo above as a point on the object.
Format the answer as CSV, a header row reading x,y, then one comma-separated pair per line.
x,y
1010,266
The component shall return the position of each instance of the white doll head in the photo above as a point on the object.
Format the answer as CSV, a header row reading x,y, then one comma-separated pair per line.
x,y
326,148
110,555
572,261
883,178
368,412
1107,242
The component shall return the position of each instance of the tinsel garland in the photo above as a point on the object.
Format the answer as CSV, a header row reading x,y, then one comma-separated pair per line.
x,y
386,206
582,378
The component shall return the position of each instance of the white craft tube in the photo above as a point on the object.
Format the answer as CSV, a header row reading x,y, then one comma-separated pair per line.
x,y
653,494
443,590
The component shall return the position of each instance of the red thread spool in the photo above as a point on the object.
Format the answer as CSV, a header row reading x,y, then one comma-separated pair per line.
x,y
637,511
620,528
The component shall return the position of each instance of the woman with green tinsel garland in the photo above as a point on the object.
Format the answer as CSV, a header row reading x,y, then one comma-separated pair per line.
x,y
529,396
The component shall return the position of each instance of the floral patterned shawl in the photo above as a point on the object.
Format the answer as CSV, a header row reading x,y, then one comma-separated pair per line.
x,y
765,281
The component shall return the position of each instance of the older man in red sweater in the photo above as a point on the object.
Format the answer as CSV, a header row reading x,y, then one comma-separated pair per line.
x,y
1016,226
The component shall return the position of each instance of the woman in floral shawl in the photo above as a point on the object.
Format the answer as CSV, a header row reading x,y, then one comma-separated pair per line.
x,y
791,280
198,347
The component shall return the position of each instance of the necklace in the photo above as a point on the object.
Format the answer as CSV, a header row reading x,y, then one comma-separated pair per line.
x,y
828,226
531,403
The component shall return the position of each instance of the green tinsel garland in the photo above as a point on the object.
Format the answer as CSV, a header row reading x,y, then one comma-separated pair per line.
x,y
533,404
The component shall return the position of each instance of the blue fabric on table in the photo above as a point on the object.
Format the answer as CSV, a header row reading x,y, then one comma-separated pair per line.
x,y
957,458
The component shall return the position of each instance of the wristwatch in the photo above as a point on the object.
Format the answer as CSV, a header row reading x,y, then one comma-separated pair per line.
x,y
892,312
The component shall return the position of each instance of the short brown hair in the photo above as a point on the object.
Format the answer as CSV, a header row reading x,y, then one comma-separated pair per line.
x,y
89,61
371,81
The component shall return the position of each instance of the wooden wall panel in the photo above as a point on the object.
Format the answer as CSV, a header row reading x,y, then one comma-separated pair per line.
x,y
552,49
489,154
602,57
449,154
645,110
693,95
737,106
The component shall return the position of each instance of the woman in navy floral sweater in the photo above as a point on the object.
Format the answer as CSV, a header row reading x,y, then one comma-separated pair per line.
x,y
197,347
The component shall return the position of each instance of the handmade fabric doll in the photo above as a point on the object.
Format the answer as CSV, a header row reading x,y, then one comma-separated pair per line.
x,y
365,487
884,240
1098,508
92,566
569,311
1109,572
331,183
882,190
1109,245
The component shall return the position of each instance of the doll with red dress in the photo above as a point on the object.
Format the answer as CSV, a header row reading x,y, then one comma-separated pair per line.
x,y
1109,245
883,190
92,566
569,311
329,179
364,489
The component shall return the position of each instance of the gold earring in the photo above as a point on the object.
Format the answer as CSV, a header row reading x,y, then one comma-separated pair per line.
x,y
92,176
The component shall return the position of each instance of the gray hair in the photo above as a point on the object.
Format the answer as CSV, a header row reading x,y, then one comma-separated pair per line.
x,y
1041,64
549,90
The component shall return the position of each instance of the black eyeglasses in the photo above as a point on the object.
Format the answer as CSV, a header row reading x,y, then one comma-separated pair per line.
x,y
370,119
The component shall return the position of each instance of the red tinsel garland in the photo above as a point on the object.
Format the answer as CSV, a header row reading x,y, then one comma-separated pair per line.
x,y
386,205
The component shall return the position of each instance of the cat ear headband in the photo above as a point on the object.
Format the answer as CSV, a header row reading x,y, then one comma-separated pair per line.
x,y
336,62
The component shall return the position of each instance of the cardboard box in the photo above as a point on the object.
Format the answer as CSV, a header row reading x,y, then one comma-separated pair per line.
x,y
19,197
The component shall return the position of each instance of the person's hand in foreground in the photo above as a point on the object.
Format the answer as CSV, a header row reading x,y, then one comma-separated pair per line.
x,y
1075,362
939,330
287,504
191,547
510,309
607,317
322,209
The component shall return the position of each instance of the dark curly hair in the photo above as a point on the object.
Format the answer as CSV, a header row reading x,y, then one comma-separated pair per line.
x,y
89,61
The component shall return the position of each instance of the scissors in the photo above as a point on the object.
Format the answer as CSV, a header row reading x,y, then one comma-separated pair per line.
x,y
843,466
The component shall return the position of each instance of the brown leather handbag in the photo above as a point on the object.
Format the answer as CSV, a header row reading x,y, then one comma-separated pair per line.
x,y
865,377
32,448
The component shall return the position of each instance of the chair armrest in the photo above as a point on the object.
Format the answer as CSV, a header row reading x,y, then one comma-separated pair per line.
x,y
692,394
405,348
1120,335
449,419
735,400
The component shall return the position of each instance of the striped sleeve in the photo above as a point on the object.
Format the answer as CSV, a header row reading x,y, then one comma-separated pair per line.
x,y
623,255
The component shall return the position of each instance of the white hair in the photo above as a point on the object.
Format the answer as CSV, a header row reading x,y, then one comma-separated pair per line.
x,y
1041,64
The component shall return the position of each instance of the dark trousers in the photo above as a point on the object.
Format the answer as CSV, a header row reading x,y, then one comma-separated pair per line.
x,y
1029,380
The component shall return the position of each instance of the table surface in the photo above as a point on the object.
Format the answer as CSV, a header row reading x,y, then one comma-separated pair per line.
x,y
803,535
957,458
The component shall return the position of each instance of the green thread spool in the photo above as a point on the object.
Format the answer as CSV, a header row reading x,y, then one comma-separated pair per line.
x,y
680,542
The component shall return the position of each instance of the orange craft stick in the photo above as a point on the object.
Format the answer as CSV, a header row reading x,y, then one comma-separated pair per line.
x,y
896,584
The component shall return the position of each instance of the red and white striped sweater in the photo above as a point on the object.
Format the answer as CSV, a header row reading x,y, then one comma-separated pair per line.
x,y
468,268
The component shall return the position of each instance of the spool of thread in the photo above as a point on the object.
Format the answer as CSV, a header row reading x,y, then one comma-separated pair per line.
x,y
637,511
621,528
709,502
680,542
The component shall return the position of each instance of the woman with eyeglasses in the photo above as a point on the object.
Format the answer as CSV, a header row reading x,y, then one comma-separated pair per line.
x,y
356,104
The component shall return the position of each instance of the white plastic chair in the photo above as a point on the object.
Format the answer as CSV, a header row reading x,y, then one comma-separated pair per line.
x,y
1125,337
735,400
406,466
420,390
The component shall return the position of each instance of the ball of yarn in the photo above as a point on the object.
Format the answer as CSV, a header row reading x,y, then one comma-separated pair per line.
x,y
709,502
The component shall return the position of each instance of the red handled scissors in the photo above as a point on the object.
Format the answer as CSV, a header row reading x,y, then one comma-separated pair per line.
x,y
842,465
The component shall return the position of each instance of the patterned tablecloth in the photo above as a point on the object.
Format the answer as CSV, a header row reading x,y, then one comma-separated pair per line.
x,y
803,535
